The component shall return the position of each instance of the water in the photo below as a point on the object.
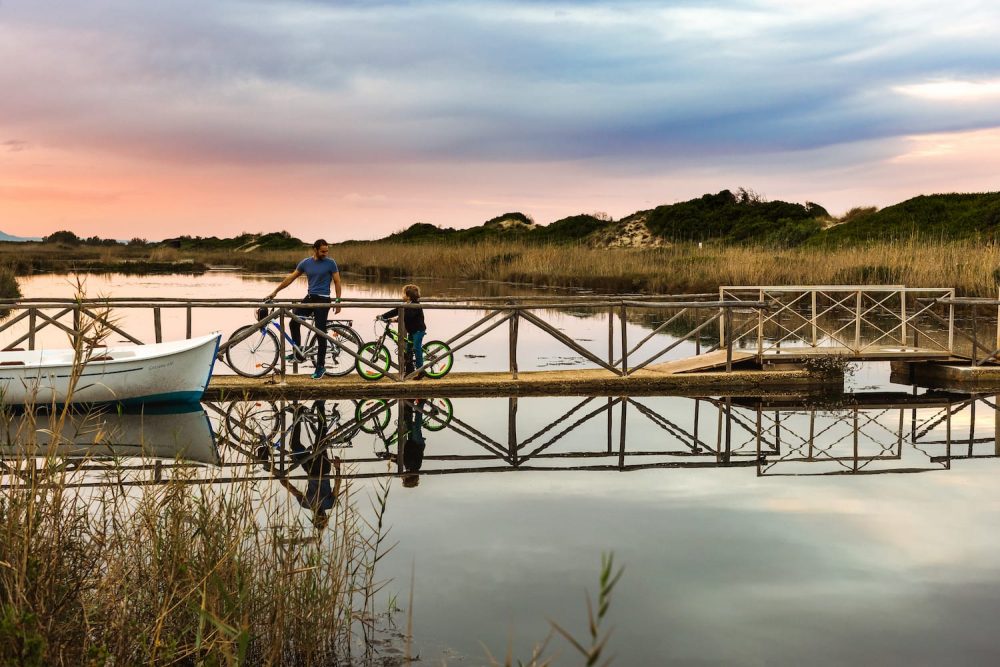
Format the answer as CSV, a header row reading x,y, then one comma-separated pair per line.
x,y
752,531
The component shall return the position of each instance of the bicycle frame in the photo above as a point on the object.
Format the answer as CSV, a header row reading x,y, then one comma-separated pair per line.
x,y
388,331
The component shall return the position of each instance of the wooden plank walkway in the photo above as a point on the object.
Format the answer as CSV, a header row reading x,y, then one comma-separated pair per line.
x,y
702,362
880,353
528,383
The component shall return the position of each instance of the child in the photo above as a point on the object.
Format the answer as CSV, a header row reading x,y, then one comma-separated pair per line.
x,y
413,319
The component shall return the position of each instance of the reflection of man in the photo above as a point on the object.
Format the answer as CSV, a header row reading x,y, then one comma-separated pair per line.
x,y
320,496
413,449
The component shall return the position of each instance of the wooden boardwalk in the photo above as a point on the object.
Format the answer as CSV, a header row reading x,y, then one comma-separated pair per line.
x,y
528,383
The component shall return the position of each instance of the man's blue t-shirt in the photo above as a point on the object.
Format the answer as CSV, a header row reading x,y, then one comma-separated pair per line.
x,y
319,273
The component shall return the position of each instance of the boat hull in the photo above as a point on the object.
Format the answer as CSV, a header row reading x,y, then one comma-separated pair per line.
x,y
177,371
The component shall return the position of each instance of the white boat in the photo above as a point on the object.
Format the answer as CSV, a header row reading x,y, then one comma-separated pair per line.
x,y
161,372
179,431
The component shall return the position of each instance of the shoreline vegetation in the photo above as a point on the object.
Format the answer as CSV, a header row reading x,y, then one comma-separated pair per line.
x,y
972,268
728,238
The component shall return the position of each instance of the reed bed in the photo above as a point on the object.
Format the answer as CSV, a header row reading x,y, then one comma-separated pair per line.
x,y
973,268
176,573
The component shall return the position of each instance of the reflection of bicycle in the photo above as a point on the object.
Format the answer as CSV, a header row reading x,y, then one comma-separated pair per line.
x,y
374,414
259,424
257,354
374,359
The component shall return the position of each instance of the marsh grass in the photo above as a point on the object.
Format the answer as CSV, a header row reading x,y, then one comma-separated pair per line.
x,y
175,573
973,268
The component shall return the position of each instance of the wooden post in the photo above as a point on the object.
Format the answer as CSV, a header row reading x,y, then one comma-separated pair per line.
x,y
760,464
624,341
813,319
512,429
857,322
513,344
401,347
621,441
611,335
282,350
855,439
188,328
76,325
32,315
401,430
951,323
728,316
157,325
902,316
975,340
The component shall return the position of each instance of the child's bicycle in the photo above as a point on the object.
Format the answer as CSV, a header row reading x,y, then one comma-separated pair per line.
x,y
374,359
257,354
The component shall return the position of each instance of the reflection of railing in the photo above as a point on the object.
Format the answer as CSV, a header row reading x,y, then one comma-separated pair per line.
x,y
72,317
872,433
852,320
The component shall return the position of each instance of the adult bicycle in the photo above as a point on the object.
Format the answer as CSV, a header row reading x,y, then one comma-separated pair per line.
x,y
374,359
257,354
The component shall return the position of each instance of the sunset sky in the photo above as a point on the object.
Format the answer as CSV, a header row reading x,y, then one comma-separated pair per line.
x,y
353,119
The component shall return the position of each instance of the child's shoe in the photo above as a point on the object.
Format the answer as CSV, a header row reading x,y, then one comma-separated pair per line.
x,y
319,374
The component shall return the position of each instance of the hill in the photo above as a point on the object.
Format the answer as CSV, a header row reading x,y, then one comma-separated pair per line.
x,y
245,242
941,217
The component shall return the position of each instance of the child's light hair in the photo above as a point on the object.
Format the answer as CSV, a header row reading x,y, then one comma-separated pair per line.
x,y
412,292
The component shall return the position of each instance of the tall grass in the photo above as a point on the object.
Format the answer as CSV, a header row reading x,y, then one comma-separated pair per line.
x,y
175,573
973,268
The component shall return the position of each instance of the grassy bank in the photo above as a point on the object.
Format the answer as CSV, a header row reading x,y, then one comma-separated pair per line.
x,y
971,267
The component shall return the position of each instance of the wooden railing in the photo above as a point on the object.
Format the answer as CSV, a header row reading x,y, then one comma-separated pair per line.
x,y
686,317
848,319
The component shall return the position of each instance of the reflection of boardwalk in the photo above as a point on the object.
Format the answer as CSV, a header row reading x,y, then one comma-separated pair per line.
x,y
865,434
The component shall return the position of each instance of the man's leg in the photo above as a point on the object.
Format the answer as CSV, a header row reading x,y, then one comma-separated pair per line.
x,y
322,316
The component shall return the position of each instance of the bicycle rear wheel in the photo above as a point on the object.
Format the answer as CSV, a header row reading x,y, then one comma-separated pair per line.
x,y
440,351
339,360
377,356
437,413
255,355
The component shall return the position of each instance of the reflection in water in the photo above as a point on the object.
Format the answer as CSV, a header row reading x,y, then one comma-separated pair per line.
x,y
874,433
310,446
516,539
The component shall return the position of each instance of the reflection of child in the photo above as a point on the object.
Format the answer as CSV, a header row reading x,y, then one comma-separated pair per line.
x,y
413,450
413,319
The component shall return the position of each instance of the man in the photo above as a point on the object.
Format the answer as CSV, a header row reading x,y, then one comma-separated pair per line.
x,y
320,271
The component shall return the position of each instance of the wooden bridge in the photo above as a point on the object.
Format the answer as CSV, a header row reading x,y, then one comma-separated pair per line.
x,y
744,336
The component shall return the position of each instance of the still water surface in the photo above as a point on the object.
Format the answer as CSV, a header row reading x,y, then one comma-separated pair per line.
x,y
752,532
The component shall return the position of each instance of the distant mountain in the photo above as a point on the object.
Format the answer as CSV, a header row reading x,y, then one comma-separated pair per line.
x,y
18,239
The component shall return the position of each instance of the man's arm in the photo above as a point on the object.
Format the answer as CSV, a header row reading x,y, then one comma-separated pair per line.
x,y
289,279
337,288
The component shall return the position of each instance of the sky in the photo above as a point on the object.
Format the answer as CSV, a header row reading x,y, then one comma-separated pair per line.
x,y
354,119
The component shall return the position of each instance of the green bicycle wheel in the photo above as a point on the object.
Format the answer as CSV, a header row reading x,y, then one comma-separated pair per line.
x,y
443,359
377,358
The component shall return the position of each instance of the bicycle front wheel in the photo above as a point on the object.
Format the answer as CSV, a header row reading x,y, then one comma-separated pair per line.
x,y
255,355
441,353
372,415
377,358
340,359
